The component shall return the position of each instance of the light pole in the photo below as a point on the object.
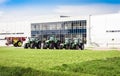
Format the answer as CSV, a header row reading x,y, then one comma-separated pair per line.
x,y
89,30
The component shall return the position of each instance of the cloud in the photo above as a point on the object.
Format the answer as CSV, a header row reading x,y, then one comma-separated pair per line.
x,y
50,11
87,9
30,11
1,13
27,13
3,1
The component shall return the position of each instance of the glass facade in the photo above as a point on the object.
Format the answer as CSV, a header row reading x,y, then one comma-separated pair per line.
x,y
62,30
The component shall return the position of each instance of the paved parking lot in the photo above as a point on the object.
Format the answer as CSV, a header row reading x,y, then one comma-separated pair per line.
x,y
104,48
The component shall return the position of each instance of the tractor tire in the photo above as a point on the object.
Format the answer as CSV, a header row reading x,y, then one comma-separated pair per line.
x,y
38,45
19,43
61,46
77,47
44,46
71,47
15,45
57,46
67,47
32,45
82,47
26,46
74,47
51,46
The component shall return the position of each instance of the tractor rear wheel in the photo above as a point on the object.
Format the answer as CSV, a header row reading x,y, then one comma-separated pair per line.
x,y
26,46
38,45
51,46
57,45
82,47
19,43
32,45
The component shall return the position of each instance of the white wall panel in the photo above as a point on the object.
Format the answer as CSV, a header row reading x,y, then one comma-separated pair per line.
x,y
13,29
102,27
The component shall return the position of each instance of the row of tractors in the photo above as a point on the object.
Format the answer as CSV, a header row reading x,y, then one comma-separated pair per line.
x,y
54,43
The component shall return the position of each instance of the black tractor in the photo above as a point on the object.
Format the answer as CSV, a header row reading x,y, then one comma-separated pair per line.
x,y
33,43
51,43
77,44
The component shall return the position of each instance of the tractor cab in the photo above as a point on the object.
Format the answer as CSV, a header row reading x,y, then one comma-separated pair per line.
x,y
52,38
77,40
67,40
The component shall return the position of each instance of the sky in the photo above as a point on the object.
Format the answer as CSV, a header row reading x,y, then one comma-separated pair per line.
x,y
31,8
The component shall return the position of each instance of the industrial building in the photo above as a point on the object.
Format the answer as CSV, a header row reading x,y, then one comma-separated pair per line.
x,y
94,30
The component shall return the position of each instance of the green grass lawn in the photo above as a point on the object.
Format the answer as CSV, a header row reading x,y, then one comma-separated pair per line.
x,y
36,62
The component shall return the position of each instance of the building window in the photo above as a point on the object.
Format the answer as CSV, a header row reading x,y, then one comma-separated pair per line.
x,y
61,30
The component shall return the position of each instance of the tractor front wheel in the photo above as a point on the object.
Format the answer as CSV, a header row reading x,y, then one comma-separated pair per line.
x,y
67,47
61,46
15,44
76,47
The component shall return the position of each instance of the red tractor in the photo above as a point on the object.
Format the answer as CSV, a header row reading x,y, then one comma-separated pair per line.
x,y
15,41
